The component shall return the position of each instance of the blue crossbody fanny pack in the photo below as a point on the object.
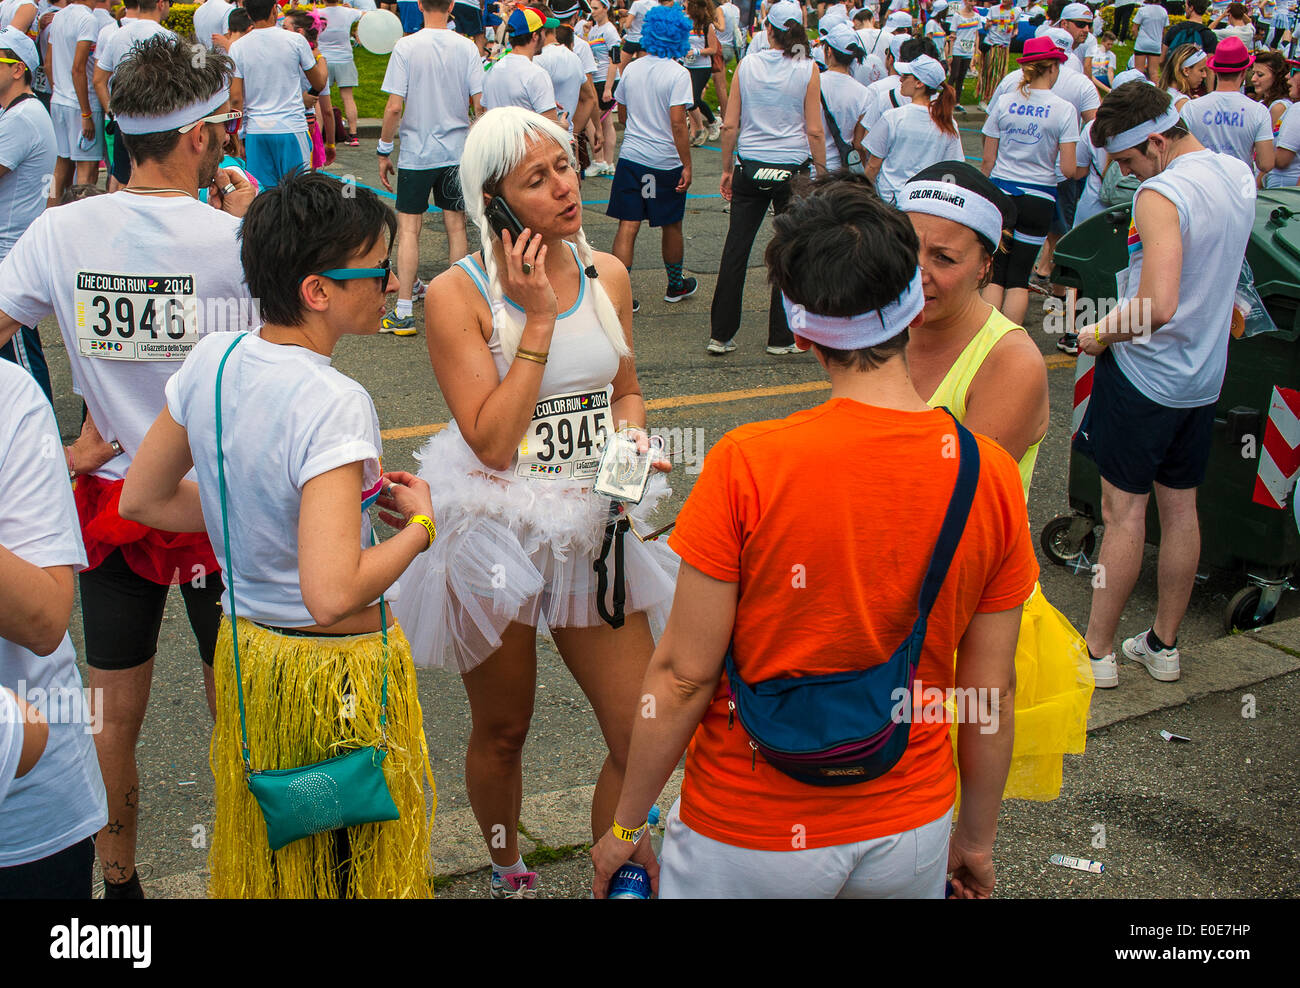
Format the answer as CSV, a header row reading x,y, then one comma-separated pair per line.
x,y
840,729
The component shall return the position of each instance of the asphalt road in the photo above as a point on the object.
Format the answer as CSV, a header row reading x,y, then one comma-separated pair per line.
x,y
704,396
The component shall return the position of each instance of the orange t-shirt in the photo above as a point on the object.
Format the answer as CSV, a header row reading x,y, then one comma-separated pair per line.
x,y
827,520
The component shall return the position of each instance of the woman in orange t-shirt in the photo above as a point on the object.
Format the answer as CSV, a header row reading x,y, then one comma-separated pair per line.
x,y
803,546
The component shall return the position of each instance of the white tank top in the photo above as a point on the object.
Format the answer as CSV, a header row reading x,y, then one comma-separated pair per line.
x,y
772,126
581,357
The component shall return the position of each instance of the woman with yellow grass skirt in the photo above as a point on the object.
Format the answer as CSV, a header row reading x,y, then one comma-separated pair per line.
x,y
982,367
286,453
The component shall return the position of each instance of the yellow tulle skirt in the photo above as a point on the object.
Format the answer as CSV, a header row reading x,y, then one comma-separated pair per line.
x,y
308,699
1053,692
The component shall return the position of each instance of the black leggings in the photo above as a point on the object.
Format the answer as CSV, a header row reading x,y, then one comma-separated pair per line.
x,y
957,75
1122,17
699,80
1011,267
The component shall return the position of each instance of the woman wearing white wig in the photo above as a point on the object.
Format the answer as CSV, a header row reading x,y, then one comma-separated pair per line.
x,y
531,342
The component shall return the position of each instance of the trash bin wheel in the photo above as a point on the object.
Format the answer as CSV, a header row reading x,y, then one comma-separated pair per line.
x,y
1239,615
1057,545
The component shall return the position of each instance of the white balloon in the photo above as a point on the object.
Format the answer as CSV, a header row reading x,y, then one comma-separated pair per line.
x,y
379,31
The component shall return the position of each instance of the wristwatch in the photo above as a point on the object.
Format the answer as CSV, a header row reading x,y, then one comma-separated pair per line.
x,y
117,447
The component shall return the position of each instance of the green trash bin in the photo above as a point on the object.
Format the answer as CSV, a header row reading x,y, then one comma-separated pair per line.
x,y
1258,542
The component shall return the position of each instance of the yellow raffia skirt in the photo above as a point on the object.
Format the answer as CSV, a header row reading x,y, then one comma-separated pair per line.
x,y
308,699
1053,692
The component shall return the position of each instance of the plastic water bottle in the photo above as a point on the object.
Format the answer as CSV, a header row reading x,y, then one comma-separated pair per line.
x,y
632,881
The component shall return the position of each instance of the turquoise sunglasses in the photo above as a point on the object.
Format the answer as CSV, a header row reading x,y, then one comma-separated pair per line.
x,y
350,274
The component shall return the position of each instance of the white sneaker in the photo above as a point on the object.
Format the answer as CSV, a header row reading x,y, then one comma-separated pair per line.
x,y
716,346
715,130
780,351
520,886
1162,664
1105,672
608,168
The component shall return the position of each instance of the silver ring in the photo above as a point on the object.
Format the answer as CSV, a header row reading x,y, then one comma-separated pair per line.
x,y
228,188
528,268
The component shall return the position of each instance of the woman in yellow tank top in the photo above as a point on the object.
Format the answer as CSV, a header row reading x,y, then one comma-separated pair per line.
x,y
971,359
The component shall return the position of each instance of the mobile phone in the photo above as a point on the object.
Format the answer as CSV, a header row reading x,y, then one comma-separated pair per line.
x,y
502,217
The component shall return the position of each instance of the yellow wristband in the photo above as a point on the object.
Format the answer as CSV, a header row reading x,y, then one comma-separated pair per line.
x,y
425,522
1096,335
629,836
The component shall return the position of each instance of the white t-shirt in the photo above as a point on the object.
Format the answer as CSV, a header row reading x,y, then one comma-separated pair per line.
x,y
1103,63
1001,21
698,42
730,23
12,731
27,150
1229,123
648,87
271,61
965,30
323,420
515,81
120,42
1030,131
9,8
874,41
772,126
638,12
1288,139
335,41
882,95
601,38
213,17
71,25
585,55
106,32
908,141
436,71
1095,160
1181,365
567,77
1150,20
848,101
362,5
61,800
183,249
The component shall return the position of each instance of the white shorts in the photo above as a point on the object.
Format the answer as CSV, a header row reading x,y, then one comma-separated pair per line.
x,y
343,73
67,133
909,865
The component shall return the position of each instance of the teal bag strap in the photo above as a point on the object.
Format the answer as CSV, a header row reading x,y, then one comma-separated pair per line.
x,y
229,576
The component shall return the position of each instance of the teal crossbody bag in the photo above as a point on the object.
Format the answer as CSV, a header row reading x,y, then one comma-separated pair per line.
x,y
339,792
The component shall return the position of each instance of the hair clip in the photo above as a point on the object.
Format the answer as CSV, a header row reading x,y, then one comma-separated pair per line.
x,y
591,271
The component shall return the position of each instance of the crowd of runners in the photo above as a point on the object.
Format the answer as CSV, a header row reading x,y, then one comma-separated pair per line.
x,y
201,283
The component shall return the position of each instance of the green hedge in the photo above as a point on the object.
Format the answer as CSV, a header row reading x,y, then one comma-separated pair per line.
x,y
181,19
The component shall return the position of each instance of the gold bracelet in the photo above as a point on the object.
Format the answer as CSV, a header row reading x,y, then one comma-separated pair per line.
x,y
533,353
627,835
529,355
425,522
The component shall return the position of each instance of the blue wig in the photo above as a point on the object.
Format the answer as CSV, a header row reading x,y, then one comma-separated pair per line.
x,y
666,32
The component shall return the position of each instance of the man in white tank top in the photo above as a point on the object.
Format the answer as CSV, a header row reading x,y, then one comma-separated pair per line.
x,y
1161,358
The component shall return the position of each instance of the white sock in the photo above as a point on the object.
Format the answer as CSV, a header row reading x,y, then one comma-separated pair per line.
x,y
518,868
403,308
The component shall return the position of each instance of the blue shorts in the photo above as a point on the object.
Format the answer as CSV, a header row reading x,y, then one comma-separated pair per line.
x,y
640,193
271,157
1067,201
468,18
411,15
1135,441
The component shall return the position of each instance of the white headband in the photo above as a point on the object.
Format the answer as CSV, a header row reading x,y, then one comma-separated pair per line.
x,y
951,201
176,119
860,331
1134,136
1195,58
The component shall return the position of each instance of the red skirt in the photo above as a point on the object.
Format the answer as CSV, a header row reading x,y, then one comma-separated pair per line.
x,y
165,558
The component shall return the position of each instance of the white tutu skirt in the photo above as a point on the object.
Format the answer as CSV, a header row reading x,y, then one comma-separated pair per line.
x,y
510,549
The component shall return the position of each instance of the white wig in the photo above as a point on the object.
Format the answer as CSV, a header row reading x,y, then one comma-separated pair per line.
x,y
496,145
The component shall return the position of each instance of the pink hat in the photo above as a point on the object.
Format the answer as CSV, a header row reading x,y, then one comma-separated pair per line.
x,y
1043,49
1230,57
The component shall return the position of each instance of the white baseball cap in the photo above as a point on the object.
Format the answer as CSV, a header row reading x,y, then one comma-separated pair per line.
x,y
926,70
1076,12
782,13
898,19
